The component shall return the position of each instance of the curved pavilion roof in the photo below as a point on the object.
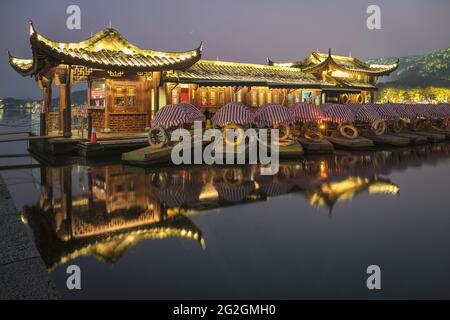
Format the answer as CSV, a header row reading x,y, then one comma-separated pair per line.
x,y
317,61
107,50
221,73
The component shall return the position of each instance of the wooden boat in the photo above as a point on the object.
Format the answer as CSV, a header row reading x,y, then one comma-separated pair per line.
x,y
316,147
148,156
352,144
431,136
295,150
446,133
413,138
387,140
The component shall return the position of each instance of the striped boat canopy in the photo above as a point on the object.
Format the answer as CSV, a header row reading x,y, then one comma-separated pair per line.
x,y
365,113
403,111
435,110
445,108
305,112
337,113
420,110
387,111
273,114
230,193
177,114
233,112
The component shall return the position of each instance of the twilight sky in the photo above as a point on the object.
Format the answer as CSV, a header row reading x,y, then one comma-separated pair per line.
x,y
234,30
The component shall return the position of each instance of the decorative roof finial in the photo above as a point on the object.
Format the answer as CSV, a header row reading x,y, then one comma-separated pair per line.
x,y
329,52
110,24
32,29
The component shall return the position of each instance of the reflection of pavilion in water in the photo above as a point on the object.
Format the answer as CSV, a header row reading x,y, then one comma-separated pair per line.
x,y
111,208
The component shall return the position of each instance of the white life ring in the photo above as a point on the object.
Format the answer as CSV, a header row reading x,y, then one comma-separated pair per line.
x,y
285,131
157,137
379,127
344,128
235,127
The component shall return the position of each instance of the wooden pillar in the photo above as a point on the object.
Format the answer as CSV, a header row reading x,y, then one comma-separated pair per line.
x,y
68,107
156,80
62,104
148,102
108,105
47,95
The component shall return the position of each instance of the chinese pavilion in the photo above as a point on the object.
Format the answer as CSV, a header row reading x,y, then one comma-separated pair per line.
x,y
353,80
127,84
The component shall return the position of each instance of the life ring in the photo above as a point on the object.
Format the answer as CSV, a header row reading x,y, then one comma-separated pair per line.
x,y
237,140
398,126
416,125
284,142
379,127
344,98
445,123
284,131
157,137
344,128
359,99
313,136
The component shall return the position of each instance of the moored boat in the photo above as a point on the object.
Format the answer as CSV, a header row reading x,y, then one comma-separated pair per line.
x,y
307,128
340,130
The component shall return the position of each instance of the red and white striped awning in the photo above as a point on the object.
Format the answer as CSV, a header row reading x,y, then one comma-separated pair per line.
x,y
386,111
233,112
365,112
404,111
305,112
273,114
337,113
176,114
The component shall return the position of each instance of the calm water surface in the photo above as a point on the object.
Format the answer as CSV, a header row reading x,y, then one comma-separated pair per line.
x,y
229,232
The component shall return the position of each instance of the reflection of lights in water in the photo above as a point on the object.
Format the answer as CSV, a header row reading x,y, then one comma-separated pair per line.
x,y
384,188
209,192
348,188
323,169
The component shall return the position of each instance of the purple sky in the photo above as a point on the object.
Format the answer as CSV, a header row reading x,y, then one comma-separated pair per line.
x,y
245,30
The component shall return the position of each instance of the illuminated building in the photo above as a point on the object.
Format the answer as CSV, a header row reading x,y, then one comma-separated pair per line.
x,y
127,84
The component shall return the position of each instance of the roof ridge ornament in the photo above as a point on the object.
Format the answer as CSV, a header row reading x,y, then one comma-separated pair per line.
x,y
32,28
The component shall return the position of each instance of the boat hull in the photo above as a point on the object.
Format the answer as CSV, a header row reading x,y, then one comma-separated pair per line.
x,y
359,143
